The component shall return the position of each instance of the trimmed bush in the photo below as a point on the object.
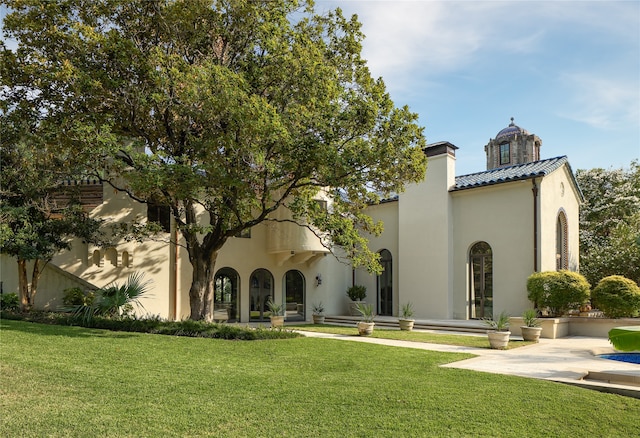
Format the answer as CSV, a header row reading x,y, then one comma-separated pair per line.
x,y
558,291
76,296
10,302
617,297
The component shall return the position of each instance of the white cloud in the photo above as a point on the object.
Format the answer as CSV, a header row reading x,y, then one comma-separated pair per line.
x,y
604,103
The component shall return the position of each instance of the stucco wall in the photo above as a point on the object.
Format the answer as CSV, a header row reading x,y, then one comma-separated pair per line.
x,y
425,241
558,193
387,213
502,216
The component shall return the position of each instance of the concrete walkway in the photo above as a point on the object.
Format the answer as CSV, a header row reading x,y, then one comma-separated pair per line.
x,y
572,360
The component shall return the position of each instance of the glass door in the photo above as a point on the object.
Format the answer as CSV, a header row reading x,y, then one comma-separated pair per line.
x,y
481,281
261,290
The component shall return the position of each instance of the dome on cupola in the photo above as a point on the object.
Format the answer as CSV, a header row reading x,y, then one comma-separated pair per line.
x,y
511,130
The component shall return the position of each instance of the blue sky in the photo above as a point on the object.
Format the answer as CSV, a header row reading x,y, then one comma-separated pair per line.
x,y
568,71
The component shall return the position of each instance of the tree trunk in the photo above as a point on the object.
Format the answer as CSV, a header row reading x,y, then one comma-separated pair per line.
x,y
202,286
28,292
23,285
35,276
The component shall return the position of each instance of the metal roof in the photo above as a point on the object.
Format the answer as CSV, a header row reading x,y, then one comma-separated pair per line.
x,y
518,172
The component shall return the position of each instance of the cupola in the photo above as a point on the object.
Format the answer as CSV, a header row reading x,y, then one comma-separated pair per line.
x,y
512,145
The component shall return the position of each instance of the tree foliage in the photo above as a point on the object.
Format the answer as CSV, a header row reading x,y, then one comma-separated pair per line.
x,y
223,110
34,224
610,223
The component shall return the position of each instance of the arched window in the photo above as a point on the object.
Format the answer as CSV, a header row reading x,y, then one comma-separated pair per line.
x,y
225,298
260,291
125,259
481,281
562,259
112,256
385,284
97,257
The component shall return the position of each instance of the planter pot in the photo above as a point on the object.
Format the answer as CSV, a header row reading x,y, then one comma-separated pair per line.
x,y
353,310
406,324
318,319
531,333
277,321
365,328
498,340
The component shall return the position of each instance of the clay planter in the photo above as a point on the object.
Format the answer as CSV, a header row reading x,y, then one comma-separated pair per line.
x,y
365,328
277,321
406,324
498,340
318,319
531,333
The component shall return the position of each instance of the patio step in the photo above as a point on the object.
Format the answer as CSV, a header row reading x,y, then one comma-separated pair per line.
x,y
451,325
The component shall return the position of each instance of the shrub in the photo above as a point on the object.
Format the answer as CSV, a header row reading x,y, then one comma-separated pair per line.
x,y
357,292
76,296
617,297
558,291
10,302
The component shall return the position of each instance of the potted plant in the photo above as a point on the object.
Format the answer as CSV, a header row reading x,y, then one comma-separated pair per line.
x,y
365,327
406,312
356,294
499,333
531,329
318,313
277,313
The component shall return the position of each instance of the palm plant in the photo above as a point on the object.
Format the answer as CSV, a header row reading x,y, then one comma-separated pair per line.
x,y
366,310
500,324
116,300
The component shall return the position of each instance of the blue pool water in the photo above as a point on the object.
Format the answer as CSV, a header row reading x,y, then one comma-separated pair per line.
x,y
623,357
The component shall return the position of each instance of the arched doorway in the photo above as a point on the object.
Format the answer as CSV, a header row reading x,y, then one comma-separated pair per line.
x,y
227,285
294,292
385,285
481,281
261,290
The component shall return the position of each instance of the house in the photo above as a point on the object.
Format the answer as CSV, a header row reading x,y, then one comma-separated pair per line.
x,y
456,247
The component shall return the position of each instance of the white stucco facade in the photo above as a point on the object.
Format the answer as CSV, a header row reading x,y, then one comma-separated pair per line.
x,y
459,247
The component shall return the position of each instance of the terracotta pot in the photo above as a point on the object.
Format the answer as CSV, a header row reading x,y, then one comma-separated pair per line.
x,y
498,340
406,324
531,333
365,328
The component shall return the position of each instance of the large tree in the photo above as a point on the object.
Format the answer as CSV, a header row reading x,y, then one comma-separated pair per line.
x,y
610,223
39,214
223,110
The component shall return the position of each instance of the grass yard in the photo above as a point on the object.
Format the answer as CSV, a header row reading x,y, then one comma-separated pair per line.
x,y
70,381
471,340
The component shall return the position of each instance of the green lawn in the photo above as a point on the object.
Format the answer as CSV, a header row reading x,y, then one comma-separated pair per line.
x,y
471,340
77,382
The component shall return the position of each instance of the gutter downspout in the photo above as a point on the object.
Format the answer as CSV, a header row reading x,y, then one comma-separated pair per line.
x,y
174,310
535,190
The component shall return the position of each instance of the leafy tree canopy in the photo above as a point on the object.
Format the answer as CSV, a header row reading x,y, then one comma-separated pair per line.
x,y
223,110
610,223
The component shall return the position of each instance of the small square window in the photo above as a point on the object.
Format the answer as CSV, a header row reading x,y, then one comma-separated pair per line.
x,y
160,214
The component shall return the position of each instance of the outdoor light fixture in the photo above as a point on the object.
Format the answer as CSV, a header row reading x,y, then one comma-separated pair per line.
x,y
318,280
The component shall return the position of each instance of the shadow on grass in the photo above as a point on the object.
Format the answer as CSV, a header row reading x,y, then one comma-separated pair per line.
x,y
59,330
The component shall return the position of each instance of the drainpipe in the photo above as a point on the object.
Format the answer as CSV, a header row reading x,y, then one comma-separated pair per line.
x,y
174,311
535,190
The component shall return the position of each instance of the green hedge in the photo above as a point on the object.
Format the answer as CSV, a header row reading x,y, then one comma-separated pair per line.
x,y
558,291
189,328
617,297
